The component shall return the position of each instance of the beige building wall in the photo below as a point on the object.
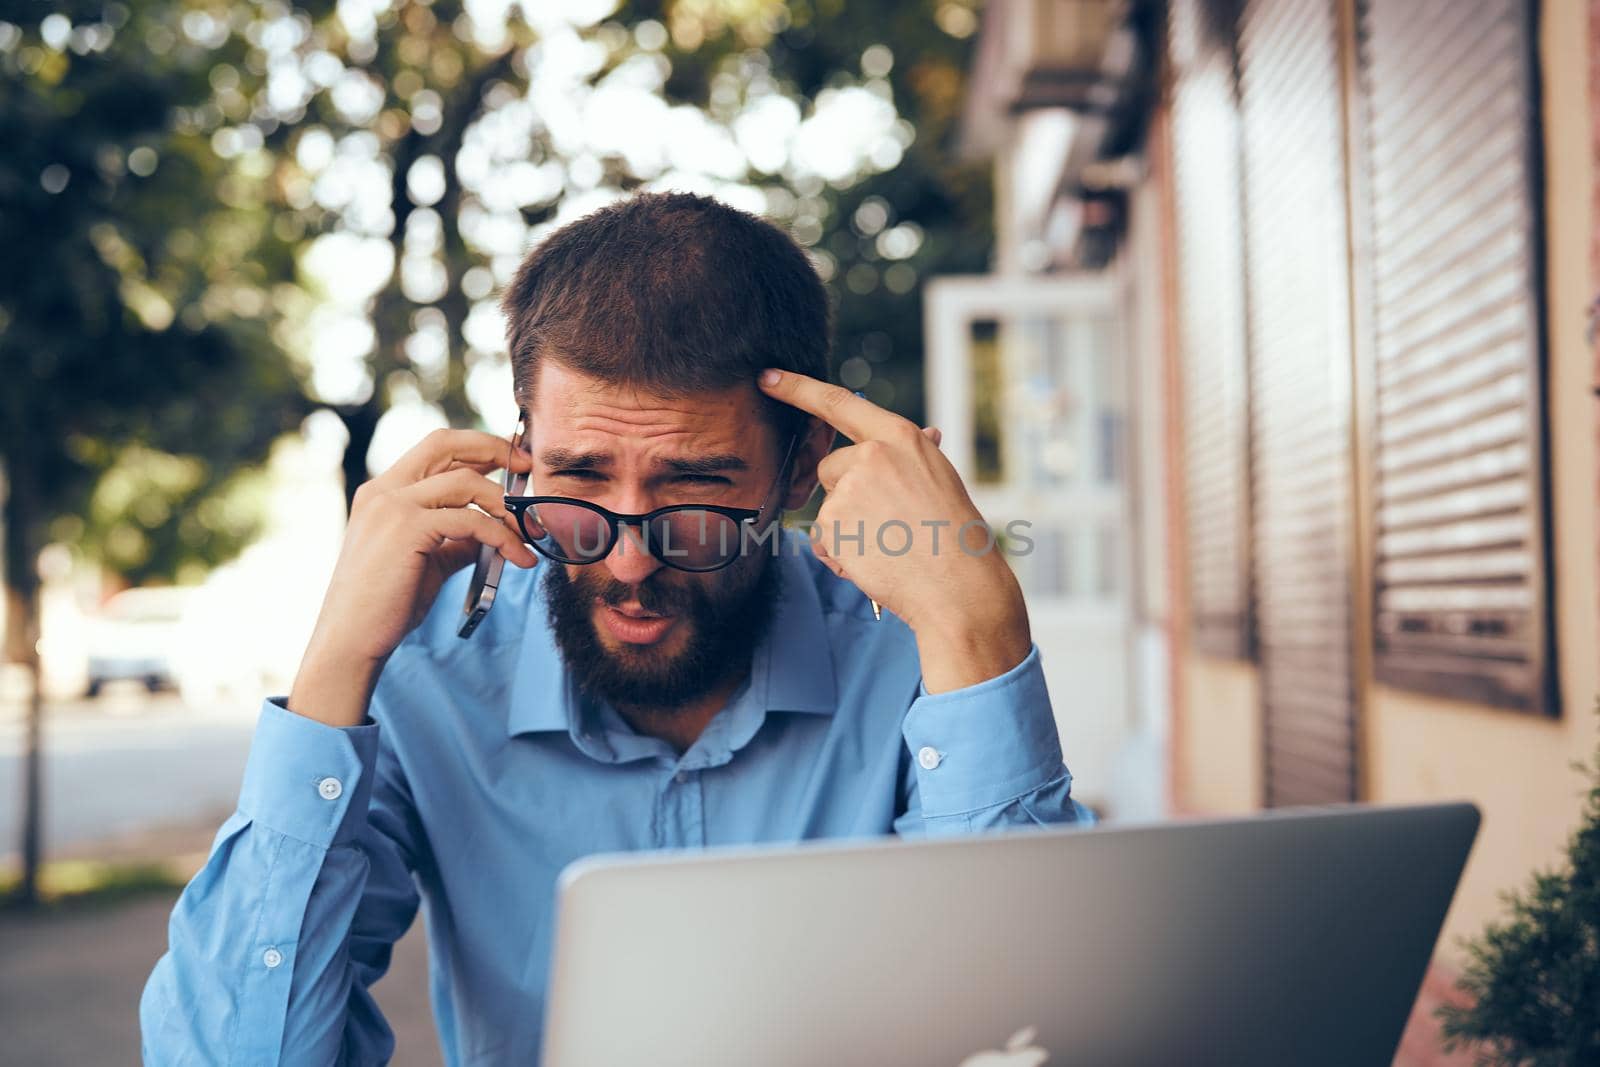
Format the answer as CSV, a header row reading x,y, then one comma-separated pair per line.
x,y
1219,738
1517,768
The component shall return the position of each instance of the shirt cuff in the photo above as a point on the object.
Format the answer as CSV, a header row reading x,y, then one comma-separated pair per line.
x,y
306,779
984,745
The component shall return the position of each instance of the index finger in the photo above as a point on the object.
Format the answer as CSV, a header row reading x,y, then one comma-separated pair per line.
x,y
854,416
444,450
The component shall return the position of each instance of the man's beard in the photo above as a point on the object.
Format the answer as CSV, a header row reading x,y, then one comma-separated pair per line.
x,y
723,622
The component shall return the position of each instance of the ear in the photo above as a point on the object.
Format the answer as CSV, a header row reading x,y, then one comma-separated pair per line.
x,y
817,443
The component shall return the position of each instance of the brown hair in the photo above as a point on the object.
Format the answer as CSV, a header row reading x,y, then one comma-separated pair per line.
x,y
670,292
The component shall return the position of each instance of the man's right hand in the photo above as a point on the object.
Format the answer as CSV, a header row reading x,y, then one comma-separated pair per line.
x,y
410,528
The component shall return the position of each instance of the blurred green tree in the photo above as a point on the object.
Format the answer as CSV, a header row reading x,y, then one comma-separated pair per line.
x,y
439,143
212,185
911,209
365,119
136,323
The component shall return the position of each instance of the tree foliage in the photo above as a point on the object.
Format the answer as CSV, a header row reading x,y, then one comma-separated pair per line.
x,y
928,195
135,304
136,319
173,165
445,141
220,215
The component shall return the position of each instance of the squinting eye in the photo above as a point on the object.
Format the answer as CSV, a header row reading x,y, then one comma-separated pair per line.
x,y
703,479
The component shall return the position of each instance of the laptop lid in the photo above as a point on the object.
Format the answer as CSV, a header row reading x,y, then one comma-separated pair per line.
x,y
1291,937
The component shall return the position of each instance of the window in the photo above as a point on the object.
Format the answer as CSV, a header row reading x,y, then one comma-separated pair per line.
x,y
1211,329
1461,592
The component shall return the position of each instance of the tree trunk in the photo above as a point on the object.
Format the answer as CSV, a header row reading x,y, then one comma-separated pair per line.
x,y
25,615
463,109
22,639
360,422
391,311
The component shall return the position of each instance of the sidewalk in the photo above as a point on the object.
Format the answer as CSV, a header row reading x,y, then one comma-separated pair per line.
x,y
71,976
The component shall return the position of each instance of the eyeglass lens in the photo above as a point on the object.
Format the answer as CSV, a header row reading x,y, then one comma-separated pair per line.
x,y
691,539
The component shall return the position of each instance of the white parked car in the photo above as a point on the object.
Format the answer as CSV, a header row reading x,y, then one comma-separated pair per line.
x,y
135,638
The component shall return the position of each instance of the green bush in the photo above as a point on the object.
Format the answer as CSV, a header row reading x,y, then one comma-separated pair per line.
x,y
1534,978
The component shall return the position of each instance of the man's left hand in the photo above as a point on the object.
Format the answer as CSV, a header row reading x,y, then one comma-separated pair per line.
x,y
923,551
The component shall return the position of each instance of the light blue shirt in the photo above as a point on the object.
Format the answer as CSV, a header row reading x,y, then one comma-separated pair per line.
x,y
482,773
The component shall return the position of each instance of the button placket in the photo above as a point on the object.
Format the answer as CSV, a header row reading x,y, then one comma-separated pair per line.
x,y
679,805
693,813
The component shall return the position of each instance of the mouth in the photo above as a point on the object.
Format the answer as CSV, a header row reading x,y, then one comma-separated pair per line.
x,y
636,611
632,624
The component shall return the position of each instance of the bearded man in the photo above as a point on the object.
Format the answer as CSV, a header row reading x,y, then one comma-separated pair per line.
x,y
664,667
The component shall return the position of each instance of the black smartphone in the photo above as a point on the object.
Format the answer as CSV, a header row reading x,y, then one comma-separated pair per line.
x,y
486,572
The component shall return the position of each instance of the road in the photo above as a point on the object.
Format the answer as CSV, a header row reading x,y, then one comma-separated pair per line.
x,y
122,765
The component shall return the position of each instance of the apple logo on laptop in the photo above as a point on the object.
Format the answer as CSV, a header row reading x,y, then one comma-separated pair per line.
x,y
1020,1051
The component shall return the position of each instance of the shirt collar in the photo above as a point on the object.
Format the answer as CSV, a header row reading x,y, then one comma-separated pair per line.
x,y
794,661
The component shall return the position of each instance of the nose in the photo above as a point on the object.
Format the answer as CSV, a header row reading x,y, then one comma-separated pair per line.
x,y
628,561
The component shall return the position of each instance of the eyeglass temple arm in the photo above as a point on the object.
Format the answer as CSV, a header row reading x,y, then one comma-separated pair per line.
x,y
517,437
783,467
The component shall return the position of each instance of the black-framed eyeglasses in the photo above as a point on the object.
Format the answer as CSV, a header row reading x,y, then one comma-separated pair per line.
x,y
688,537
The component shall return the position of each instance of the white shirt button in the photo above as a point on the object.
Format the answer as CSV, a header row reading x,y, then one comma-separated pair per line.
x,y
330,788
928,757
272,957
681,777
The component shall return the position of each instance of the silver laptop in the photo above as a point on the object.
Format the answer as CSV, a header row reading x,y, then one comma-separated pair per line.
x,y
1297,937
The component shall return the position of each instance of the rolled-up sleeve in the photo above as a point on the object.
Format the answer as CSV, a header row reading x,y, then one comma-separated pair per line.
x,y
307,780
259,967
988,755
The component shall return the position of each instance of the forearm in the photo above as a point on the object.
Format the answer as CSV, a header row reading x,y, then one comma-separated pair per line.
x,y
333,690
972,643
259,967
965,658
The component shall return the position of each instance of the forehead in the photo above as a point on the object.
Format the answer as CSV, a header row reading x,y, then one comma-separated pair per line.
x,y
570,407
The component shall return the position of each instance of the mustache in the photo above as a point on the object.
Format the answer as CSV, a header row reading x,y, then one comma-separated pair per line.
x,y
655,594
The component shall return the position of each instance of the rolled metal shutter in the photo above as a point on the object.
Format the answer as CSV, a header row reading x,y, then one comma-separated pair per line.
x,y
1211,329
1300,358
1450,119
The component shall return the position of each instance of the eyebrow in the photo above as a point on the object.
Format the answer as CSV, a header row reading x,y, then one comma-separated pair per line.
x,y
572,459
705,464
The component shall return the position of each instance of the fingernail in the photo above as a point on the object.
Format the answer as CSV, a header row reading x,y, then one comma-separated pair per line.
x,y
771,376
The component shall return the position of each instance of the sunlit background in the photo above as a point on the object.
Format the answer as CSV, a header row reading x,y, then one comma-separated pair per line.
x,y
255,254
324,200
1268,315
